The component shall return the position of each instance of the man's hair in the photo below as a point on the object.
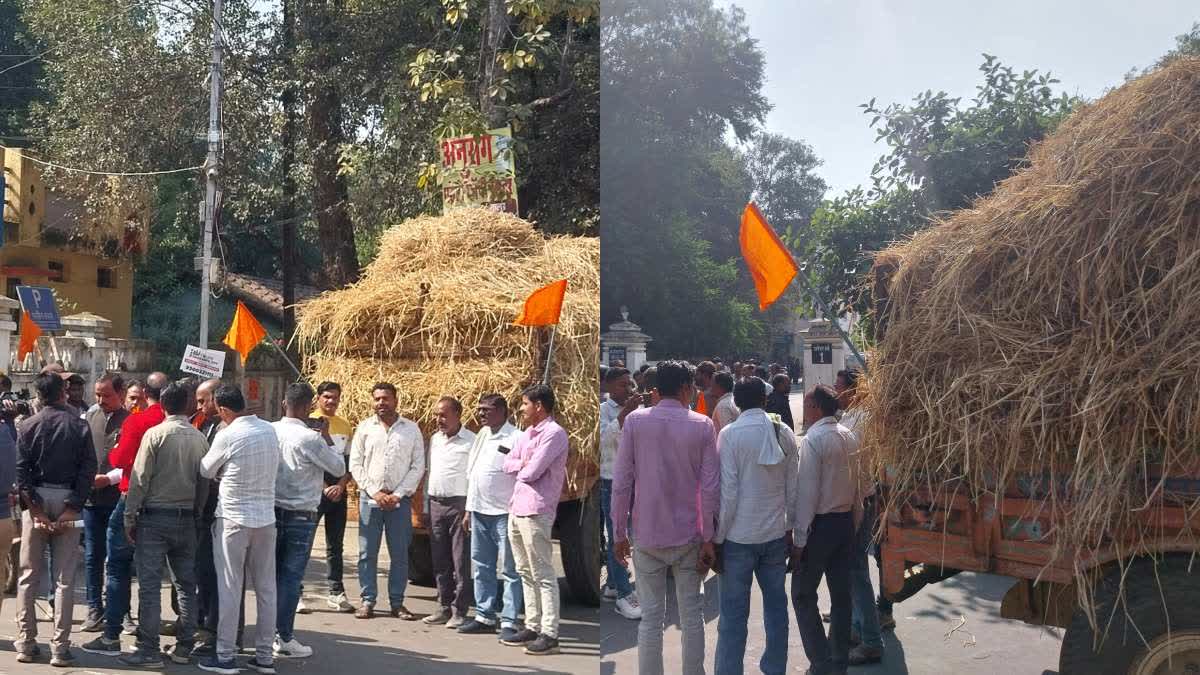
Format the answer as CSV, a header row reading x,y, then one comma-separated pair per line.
x,y
761,373
850,376
133,383
115,379
154,385
49,387
174,398
644,367
229,396
540,393
780,378
495,400
825,398
328,386
749,393
650,379
384,386
454,403
5,382
723,380
706,367
673,376
298,395
615,374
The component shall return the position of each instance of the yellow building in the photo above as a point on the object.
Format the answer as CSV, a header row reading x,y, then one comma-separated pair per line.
x,y
40,249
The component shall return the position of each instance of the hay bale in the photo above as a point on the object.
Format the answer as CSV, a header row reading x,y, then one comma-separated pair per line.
x,y
433,315
1051,326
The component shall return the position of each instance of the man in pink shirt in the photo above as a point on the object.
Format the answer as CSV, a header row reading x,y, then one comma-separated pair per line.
x,y
539,462
671,452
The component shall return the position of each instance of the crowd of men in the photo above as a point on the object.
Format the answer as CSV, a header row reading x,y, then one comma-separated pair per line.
x,y
703,471
181,479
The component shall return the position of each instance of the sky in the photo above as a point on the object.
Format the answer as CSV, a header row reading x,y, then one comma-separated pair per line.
x,y
825,57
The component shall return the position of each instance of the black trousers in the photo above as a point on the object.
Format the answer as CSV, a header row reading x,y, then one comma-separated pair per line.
x,y
334,514
451,552
828,553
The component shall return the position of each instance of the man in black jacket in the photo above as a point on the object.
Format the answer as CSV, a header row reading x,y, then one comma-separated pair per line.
x,y
56,467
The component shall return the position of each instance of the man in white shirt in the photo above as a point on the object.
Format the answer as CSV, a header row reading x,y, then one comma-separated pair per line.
x,y
245,455
759,477
387,459
724,410
622,398
305,457
823,531
446,488
489,490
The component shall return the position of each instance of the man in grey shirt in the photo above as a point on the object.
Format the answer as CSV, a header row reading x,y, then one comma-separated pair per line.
x,y
166,496
759,478
305,457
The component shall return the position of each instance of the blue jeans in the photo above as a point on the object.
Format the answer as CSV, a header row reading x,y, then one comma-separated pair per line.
x,y
489,540
293,543
618,576
743,562
119,568
95,549
864,618
373,525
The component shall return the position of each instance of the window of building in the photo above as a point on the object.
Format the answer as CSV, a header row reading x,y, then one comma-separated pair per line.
x,y
106,277
58,271
12,232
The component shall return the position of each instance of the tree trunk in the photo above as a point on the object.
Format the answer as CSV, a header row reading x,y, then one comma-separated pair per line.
x,y
493,36
331,195
287,206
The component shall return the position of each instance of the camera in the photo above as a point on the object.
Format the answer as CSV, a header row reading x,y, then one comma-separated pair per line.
x,y
20,400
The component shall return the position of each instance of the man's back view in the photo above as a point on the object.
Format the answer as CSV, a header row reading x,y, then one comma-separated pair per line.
x,y
669,452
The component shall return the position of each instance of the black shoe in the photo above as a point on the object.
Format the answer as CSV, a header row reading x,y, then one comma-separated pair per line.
x,y
213,665
474,627
103,646
508,634
141,659
542,646
205,648
182,652
521,638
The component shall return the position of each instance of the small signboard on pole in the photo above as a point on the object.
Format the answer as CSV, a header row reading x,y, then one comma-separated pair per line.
x,y
38,302
206,363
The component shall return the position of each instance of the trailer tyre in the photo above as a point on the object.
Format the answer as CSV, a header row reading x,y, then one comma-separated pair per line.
x,y
579,538
420,560
1137,640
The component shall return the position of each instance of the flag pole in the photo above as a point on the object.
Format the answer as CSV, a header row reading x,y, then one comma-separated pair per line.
x,y
296,370
549,356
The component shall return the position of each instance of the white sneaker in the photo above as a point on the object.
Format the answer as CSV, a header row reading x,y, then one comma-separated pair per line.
x,y
339,602
292,649
302,608
629,608
610,594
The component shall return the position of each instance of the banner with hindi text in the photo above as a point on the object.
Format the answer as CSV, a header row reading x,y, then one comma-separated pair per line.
x,y
479,171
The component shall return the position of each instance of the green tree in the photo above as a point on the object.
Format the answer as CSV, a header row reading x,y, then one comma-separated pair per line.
x,y
676,76
942,155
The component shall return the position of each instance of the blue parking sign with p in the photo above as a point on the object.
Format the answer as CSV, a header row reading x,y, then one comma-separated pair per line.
x,y
38,303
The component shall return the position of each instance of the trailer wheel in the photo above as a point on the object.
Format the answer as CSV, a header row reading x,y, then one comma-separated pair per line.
x,y
579,538
420,560
1137,640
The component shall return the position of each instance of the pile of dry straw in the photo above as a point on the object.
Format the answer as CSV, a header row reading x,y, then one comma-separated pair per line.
x,y
1055,325
433,315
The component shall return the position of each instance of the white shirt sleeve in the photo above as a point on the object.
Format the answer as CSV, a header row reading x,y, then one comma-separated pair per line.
x,y
808,488
729,486
411,476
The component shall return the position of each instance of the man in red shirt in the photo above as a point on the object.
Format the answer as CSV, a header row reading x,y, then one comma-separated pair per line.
x,y
120,550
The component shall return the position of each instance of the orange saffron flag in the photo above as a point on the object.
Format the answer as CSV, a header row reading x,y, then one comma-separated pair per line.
x,y
30,332
245,332
544,305
701,404
770,263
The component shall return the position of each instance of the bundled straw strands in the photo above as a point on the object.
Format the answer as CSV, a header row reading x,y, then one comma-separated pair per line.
x,y
433,315
1054,326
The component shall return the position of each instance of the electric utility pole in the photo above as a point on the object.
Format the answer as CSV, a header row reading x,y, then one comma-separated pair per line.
x,y
211,171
